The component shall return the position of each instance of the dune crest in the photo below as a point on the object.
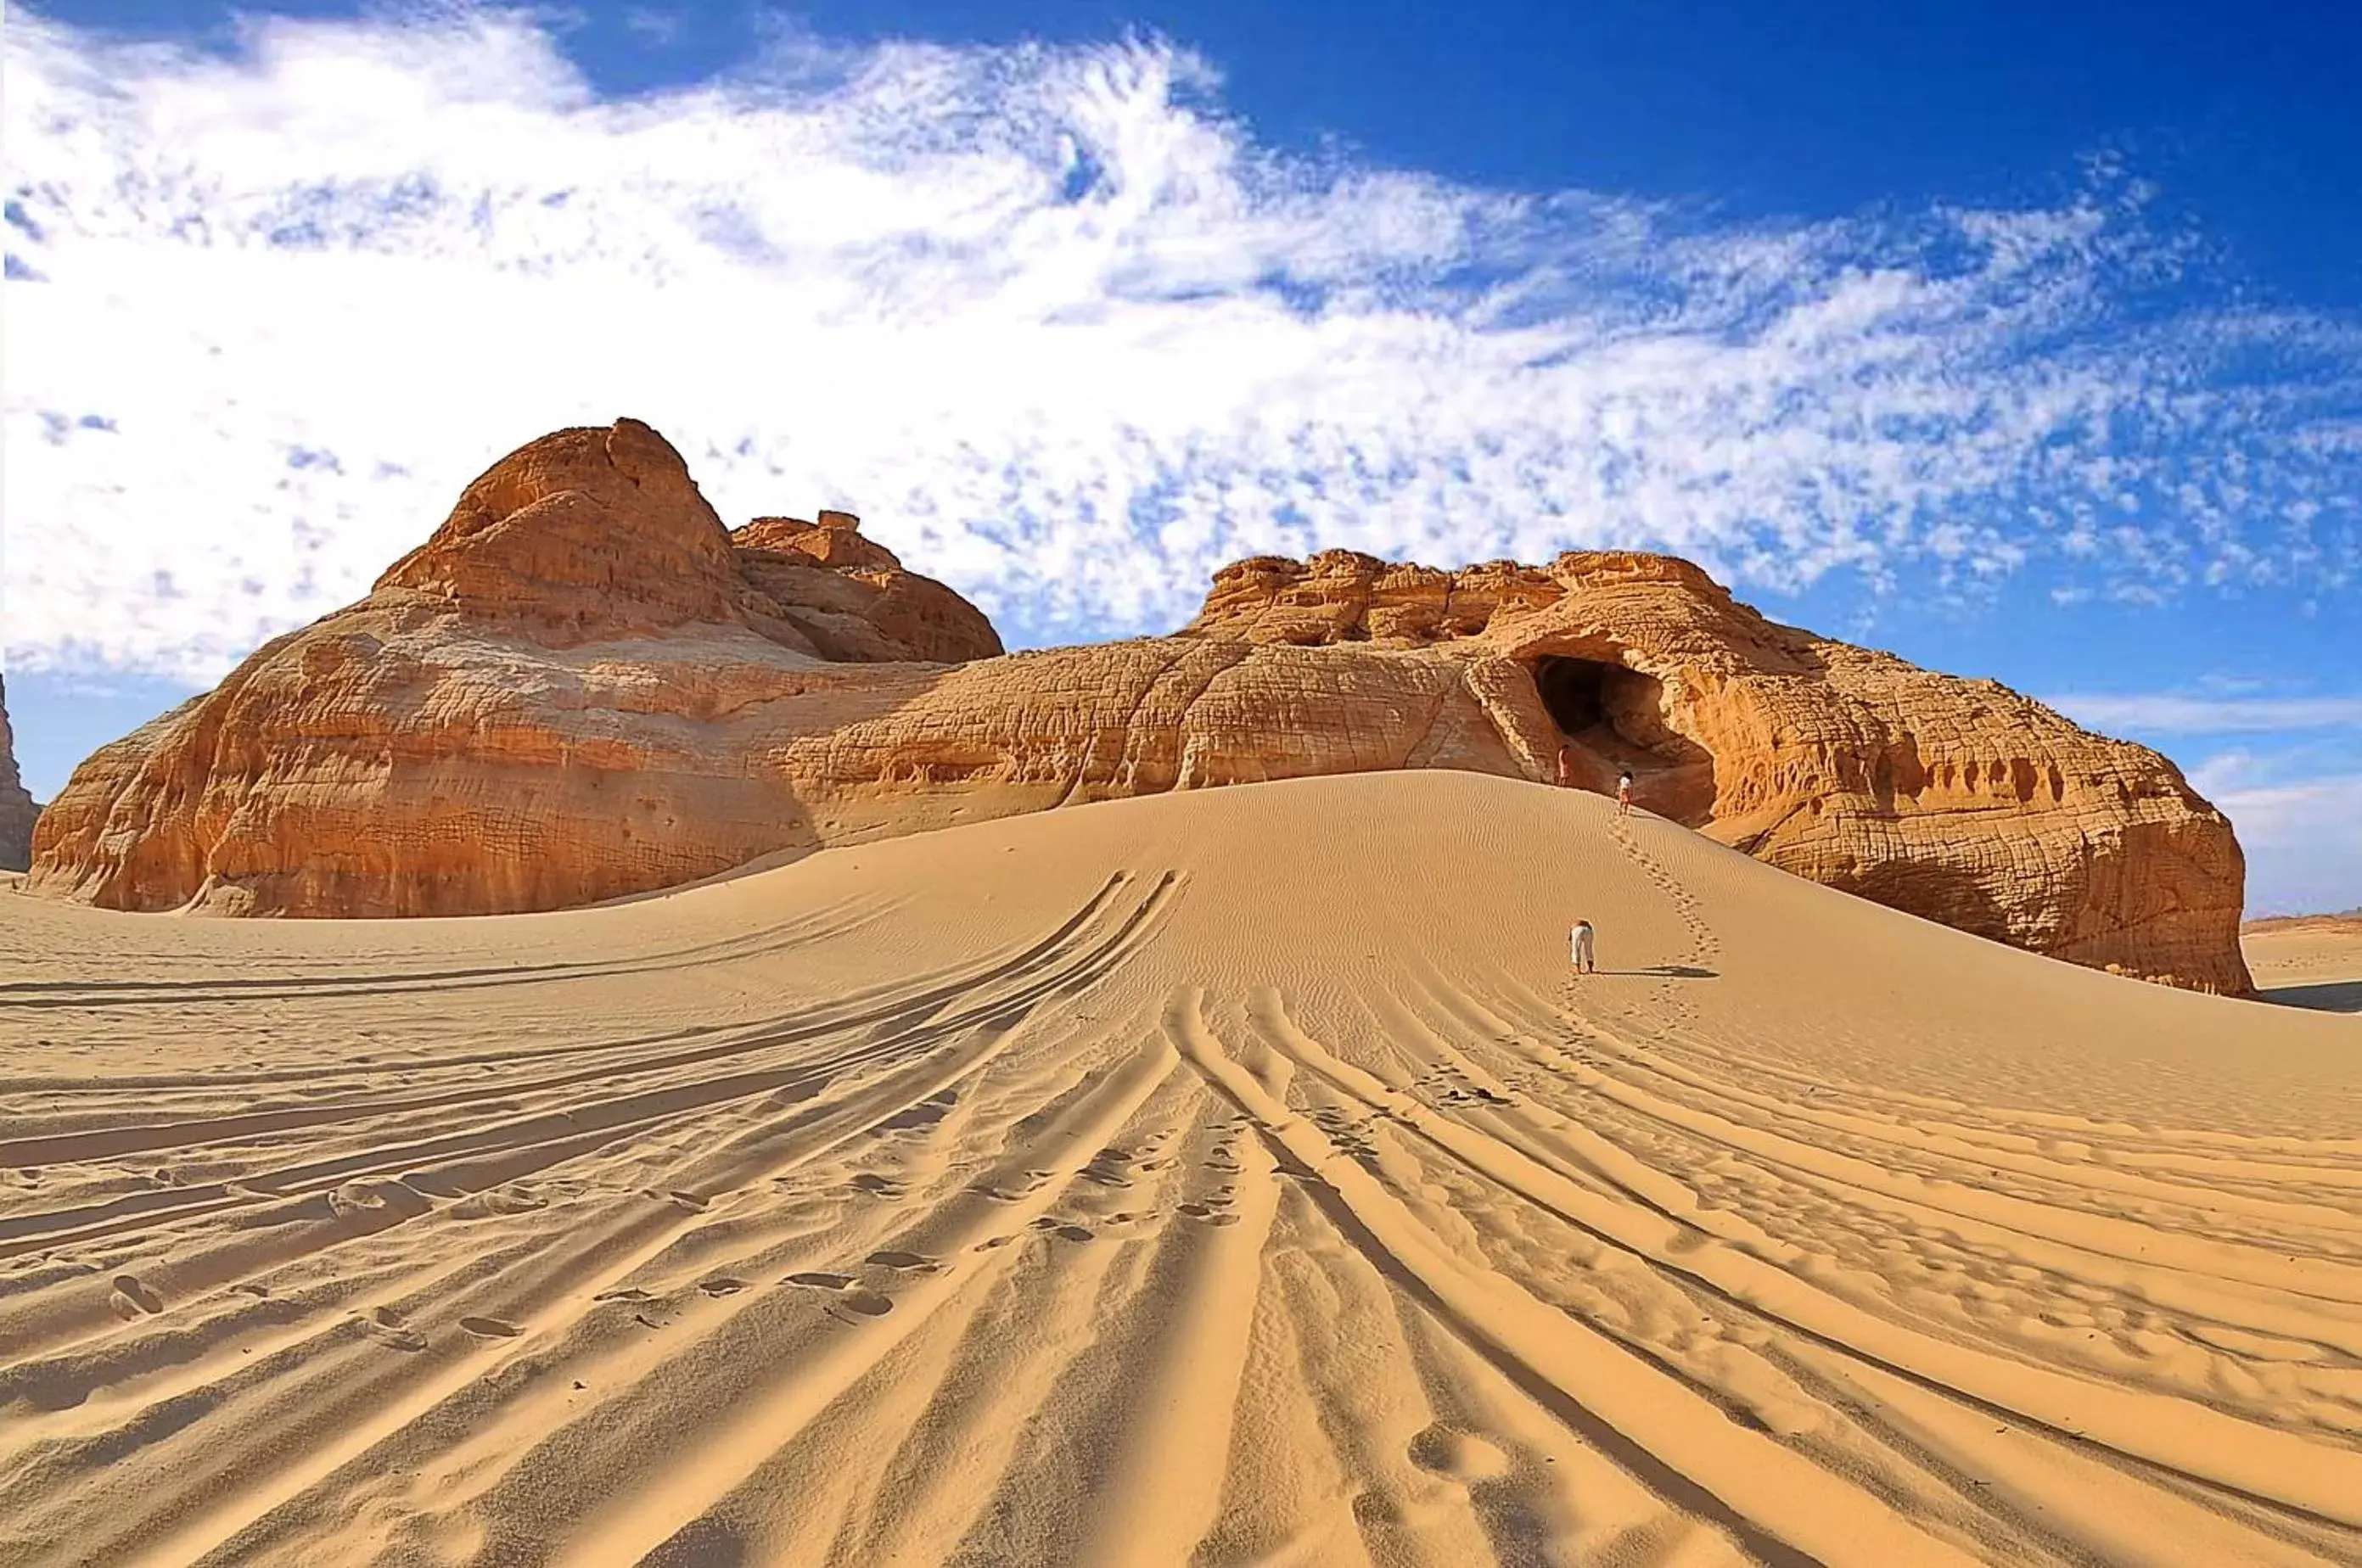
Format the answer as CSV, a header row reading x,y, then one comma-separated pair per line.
x,y
1170,1178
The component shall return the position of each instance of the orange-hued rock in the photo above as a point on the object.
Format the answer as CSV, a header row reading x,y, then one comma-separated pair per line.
x,y
1958,800
583,687
16,808
555,699
849,599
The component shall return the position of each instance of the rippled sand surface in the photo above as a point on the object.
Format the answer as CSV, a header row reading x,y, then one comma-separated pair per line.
x,y
1220,1178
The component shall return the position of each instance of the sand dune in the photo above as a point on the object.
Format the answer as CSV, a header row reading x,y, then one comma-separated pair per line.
x,y
2312,960
1224,1177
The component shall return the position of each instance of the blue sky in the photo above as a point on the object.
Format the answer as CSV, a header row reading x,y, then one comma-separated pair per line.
x,y
2025,342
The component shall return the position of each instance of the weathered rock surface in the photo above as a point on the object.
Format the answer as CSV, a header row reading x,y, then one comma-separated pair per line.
x,y
581,687
16,808
1956,800
559,697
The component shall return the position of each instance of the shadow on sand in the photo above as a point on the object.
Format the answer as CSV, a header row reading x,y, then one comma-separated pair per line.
x,y
2337,996
1665,971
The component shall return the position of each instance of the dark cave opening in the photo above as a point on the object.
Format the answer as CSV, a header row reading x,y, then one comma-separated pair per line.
x,y
1611,719
1574,691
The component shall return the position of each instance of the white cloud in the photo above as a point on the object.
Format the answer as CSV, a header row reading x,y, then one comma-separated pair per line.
x,y
2173,714
2303,840
2297,812
1064,333
655,26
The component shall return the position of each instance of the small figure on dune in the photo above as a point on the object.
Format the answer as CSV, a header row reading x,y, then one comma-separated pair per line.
x,y
1624,792
1565,768
1583,961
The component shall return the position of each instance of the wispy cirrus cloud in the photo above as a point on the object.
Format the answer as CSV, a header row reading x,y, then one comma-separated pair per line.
x,y
1066,333
2162,713
2299,824
655,26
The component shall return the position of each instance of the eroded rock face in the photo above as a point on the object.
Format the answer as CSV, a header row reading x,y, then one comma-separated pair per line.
x,y
16,808
583,687
555,699
849,599
1956,800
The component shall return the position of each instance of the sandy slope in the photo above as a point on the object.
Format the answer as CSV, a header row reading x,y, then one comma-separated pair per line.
x,y
1225,1177
2311,961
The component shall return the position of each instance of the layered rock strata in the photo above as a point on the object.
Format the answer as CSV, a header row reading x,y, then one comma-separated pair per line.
x,y
583,687
16,808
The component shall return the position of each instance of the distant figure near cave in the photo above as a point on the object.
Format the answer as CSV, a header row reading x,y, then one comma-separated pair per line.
x,y
1584,963
1624,792
1565,768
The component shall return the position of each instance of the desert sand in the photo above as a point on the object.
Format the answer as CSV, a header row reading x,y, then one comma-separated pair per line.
x,y
2312,960
1223,1176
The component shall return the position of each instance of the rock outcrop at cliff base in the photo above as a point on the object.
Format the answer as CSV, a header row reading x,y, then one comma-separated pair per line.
x,y
16,808
584,685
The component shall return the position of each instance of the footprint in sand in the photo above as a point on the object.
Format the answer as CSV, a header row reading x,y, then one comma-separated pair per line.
x,y
907,1262
490,1328
390,1328
878,1185
1062,1229
628,1294
688,1200
721,1285
497,1202
130,1293
1463,1455
847,1294
250,1288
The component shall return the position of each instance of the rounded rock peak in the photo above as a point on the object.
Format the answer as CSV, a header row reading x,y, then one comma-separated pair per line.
x,y
835,540
586,530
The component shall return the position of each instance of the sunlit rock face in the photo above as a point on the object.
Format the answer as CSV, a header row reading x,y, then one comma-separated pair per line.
x,y
1956,800
16,808
583,686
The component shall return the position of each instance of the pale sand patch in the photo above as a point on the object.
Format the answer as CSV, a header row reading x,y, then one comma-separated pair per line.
x,y
2313,961
1222,1178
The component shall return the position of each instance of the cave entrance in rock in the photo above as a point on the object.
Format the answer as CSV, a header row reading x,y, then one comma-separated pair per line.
x,y
1573,691
1612,718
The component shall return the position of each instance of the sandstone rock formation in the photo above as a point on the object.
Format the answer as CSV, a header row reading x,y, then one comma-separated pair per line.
x,y
551,701
16,808
1956,800
581,687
